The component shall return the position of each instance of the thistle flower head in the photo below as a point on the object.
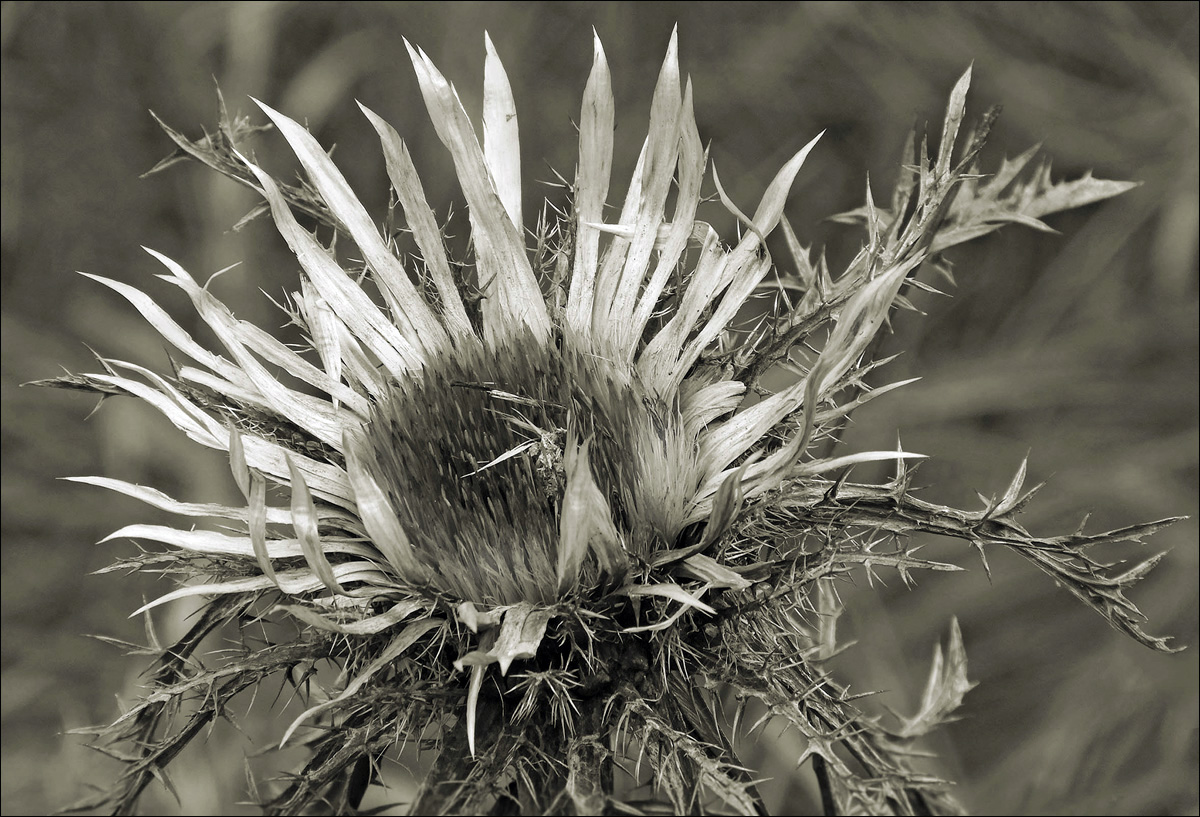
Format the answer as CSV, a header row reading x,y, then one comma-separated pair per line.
x,y
549,462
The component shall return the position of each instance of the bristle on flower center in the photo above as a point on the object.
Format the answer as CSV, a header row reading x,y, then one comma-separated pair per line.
x,y
473,457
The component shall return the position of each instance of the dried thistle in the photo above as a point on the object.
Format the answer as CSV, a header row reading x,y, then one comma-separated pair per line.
x,y
529,512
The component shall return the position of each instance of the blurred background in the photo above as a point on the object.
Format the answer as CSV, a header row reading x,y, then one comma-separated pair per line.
x,y
1079,348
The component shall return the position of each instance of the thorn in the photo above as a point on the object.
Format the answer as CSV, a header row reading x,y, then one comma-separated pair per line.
x,y
983,558
839,483
903,477
1083,523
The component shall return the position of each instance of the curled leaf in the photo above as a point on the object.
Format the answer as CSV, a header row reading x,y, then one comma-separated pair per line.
x,y
304,520
709,570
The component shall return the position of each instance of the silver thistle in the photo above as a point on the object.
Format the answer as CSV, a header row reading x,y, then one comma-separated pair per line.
x,y
530,513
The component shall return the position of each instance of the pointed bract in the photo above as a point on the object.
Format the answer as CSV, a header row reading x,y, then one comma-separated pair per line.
x,y
423,224
511,292
412,314
501,138
591,189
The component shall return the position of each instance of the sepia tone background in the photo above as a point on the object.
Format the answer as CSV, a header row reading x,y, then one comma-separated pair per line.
x,y
1079,348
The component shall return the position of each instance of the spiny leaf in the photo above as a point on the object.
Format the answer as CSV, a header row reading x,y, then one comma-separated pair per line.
x,y
1064,558
955,110
944,690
